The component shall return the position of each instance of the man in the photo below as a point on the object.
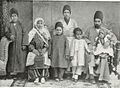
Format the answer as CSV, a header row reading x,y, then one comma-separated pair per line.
x,y
91,34
16,56
68,26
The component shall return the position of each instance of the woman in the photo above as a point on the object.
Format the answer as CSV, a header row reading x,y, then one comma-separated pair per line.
x,y
38,44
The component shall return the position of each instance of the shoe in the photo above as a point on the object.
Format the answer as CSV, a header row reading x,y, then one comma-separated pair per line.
x,y
43,80
75,80
36,80
57,80
61,79
92,81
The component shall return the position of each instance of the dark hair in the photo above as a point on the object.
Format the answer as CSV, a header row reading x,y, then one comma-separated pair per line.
x,y
58,24
13,11
67,7
77,29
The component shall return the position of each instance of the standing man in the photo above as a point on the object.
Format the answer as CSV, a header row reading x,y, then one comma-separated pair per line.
x,y
68,26
16,54
91,34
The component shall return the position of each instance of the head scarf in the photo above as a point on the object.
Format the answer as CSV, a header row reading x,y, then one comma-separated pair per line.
x,y
38,19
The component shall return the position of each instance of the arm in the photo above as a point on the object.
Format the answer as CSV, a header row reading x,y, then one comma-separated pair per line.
x,y
86,36
72,50
24,36
8,33
86,47
50,48
66,47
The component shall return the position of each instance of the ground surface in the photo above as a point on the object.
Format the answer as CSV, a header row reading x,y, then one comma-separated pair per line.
x,y
53,84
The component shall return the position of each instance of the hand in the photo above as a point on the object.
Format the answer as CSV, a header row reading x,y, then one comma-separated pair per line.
x,y
49,56
71,58
35,52
67,57
12,37
31,47
23,47
46,46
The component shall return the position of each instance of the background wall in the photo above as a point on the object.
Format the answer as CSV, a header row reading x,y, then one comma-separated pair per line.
x,y
82,12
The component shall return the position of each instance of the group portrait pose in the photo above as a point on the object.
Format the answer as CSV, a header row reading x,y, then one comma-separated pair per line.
x,y
69,51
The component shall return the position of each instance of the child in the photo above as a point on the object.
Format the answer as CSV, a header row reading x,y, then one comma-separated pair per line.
x,y
77,53
38,44
104,51
59,52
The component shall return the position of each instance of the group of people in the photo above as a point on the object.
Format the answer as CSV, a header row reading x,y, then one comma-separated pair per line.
x,y
66,49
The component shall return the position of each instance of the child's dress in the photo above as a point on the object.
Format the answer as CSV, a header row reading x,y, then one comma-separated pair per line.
x,y
101,49
78,48
59,49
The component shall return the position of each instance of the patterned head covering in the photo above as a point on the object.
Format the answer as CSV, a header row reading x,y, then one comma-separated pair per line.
x,y
66,7
38,19
99,15
13,11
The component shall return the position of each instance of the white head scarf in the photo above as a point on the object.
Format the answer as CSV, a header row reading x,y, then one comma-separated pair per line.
x,y
38,19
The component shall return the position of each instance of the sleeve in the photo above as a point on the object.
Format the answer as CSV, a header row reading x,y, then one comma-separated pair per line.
x,y
66,47
75,24
24,36
113,39
31,45
86,36
86,46
50,47
8,32
72,50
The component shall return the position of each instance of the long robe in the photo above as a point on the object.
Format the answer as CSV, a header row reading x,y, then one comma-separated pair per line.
x,y
59,49
68,29
16,56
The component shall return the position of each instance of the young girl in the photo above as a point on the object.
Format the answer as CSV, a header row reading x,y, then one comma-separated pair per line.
x,y
38,44
104,51
77,53
59,52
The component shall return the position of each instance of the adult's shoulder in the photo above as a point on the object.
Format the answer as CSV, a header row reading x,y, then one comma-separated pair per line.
x,y
89,28
104,28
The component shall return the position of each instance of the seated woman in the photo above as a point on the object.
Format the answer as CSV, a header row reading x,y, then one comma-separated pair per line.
x,y
38,45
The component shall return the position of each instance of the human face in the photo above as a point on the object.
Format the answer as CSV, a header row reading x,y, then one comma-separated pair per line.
x,y
78,35
40,24
97,23
67,14
59,30
101,35
14,17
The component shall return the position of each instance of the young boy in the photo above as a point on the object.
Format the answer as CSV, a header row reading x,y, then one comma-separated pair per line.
x,y
59,52
16,33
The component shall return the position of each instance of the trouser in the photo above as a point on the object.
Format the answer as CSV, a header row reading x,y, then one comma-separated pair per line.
x,y
76,70
35,73
59,72
104,70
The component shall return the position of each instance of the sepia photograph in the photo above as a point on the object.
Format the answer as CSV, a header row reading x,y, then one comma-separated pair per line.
x,y
60,43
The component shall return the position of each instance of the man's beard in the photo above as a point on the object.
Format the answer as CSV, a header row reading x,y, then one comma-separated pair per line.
x,y
97,26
